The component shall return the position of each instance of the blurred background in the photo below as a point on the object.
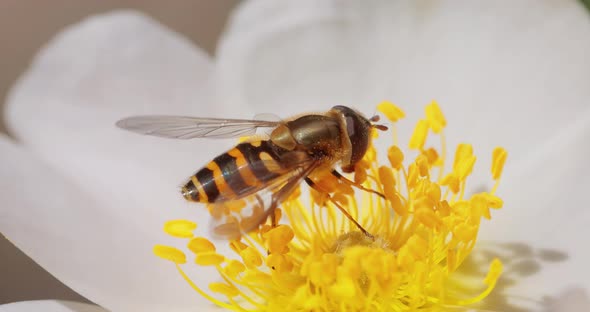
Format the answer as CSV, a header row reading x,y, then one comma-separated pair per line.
x,y
25,27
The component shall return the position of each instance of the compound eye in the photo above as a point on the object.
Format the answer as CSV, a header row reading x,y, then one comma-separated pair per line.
x,y
350,125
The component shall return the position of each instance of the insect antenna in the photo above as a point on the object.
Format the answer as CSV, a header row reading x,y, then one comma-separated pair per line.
x,y
376,118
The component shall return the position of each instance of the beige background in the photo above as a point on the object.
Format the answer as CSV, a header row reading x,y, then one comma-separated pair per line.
x,y
25,25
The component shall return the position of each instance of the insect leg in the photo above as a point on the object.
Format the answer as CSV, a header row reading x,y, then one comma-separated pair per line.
x,y
286,190
357,185
344,211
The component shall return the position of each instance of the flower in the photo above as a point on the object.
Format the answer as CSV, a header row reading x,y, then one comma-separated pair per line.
x,y
418,235
83,199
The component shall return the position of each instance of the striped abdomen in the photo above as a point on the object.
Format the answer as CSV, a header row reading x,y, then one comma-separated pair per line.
x,y
239,172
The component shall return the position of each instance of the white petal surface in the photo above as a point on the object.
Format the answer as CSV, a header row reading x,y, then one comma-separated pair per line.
x,y
66,231
514,74
50,306
64,109
545,210
572,300
504,72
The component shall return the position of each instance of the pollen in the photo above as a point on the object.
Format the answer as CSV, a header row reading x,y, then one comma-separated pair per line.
x,y
420,229
180,228
434,116
170,253
418,138
391,111
201,245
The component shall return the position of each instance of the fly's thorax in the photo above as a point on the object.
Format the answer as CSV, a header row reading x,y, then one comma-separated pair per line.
x,y
356,136
281,136
318,135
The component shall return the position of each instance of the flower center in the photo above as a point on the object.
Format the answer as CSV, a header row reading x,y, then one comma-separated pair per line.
x,y
423,229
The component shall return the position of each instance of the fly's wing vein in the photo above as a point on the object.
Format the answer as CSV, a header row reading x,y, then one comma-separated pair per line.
x,y
182,127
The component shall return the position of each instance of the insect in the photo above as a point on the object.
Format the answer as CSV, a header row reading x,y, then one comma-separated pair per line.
x,y
244,185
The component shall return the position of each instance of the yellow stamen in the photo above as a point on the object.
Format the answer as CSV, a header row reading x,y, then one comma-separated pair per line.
x,y
224,289
201,245
180,228
499,156
422,230
498,159
278,238
396,157
391,111
209,258
419,136
435,117
170,253
251,257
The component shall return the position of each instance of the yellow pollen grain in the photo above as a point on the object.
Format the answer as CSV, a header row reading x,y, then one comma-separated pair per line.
x,y
391,111
200,245
493,201
396,204
278,238
418,138
180,228
452,182
463,151
435,117
465,232
433,192
279,263
170,253
209,258
234,268
428,217
444,208
395,156
465,167
225,289
499,156
251,257
386,178
423,165
413,175
432,155
237,246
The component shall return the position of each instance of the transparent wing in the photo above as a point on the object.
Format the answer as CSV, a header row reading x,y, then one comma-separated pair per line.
x,y
267,117
235,217
182,127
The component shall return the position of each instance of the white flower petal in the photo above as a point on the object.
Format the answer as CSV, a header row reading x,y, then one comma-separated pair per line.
x,y
65,107
106,68
64,229
50,306
572,300
545,214
504,73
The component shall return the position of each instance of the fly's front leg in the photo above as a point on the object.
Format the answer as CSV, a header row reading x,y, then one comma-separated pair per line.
x,y
316,187
357,185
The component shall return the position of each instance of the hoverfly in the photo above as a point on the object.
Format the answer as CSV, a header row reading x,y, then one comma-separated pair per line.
x,y
245,185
